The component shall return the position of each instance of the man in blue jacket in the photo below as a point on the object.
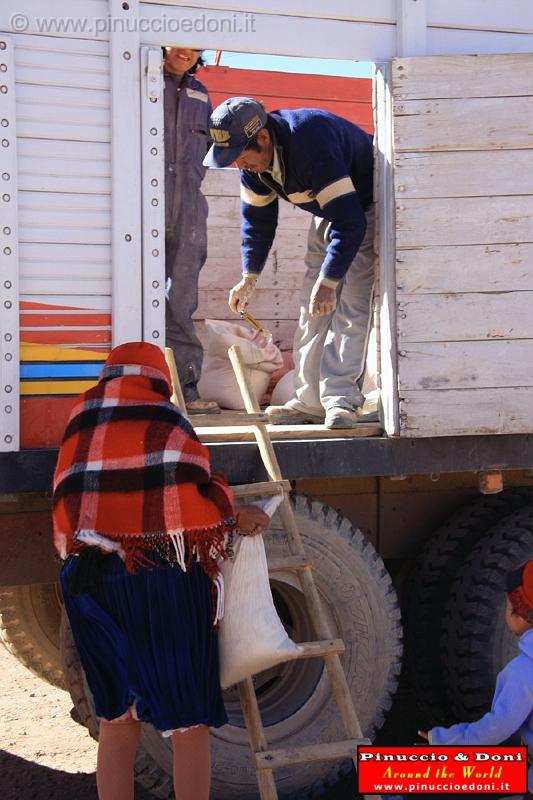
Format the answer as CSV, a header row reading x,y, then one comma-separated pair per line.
x,y
323,164
187,109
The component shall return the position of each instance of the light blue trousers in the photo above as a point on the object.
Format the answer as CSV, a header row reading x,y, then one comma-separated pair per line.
x,y
330,351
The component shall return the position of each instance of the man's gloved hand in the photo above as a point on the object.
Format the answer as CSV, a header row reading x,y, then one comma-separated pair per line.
x,y
323,298
241,292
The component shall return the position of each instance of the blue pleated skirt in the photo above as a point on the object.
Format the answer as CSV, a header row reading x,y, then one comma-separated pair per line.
x,y
147,640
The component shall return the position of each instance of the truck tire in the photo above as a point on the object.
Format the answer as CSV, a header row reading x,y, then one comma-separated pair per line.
x,y
295,699
476,643
29,628
427,590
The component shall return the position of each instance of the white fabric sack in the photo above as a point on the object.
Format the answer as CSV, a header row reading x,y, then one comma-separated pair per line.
x,y
251,636
284,389
260,354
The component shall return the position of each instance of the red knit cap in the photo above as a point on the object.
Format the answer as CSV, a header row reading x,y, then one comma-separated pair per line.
x,y
520,591
142,353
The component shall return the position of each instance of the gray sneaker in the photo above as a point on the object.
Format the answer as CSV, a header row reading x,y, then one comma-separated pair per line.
x,y
345,418
285,415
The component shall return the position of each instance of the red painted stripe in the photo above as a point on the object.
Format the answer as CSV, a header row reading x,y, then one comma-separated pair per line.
x,y
85,338
45,320
43,420
29,305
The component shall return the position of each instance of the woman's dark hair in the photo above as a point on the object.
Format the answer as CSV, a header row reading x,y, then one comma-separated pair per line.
x,y
200,62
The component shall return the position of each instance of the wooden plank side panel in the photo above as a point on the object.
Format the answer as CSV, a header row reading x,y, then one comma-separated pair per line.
x,y
466,365
462,412
456,124
461,76
468,268
465,317
463,174
465,220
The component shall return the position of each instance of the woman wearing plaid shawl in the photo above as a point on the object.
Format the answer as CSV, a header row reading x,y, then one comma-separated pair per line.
x,y
142,525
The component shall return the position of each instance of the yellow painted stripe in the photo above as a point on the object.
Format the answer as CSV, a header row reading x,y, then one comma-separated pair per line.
x,y
334,190
254,199
49,352
55,387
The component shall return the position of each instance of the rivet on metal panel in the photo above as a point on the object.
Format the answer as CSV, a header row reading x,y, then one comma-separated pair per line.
x,y
155,254
8,439
153,131
403,353
5,176
401,188
155,284
4,123
8,337
155,233
155,201
9,357
6,230
153,99
434,477
5,142
3,67
153,151
3,45
6,198
154,182
8,304
7,284
126,6
8,409
126,55
128,237
3,89
403,316
155,334
7,251
155,303
8,388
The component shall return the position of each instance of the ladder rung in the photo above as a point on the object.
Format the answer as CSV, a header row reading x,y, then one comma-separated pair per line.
x,y
293,563
330,751
226,420
327,647
261,489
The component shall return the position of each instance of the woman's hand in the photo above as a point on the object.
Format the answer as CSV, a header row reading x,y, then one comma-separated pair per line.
x,y
251,520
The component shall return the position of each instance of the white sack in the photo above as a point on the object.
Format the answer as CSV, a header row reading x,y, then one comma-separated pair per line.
x,y
284,389
260,354
251,637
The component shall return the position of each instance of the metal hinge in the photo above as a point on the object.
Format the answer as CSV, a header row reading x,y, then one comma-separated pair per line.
x,y
153,76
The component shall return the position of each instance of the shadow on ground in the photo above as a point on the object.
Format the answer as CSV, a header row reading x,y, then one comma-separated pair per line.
x,y
24,780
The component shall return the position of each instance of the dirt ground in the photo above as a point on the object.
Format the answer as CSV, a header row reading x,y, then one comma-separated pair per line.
x,y
44,753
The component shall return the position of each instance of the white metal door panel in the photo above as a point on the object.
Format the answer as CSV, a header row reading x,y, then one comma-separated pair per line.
x,y
9,266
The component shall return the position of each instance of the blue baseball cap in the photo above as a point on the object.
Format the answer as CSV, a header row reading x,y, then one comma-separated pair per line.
x,y
233,123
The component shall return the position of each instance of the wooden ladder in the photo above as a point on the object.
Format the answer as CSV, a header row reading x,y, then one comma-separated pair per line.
x,y
266,760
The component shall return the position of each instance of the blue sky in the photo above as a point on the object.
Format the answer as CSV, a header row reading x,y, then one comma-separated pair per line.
x,y
310,66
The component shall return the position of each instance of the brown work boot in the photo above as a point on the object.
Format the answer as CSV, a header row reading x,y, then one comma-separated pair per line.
x,y
202,407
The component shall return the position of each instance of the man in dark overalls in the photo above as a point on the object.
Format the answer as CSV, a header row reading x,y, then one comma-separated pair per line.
x,y
187,111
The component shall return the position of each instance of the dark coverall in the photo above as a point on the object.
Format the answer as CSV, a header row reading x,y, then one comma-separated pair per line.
x,y
187,110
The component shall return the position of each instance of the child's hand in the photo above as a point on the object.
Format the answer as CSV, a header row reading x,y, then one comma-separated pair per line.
x,y
424,735
251,520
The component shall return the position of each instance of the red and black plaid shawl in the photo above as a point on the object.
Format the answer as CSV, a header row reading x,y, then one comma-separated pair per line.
x,y
131,474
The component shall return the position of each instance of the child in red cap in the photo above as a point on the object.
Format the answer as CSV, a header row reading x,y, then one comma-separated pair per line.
x,y
512,705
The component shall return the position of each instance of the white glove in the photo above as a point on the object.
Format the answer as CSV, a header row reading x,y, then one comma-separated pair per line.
x,y
323,298
241,292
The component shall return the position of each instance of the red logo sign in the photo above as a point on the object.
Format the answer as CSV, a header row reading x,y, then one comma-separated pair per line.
x,y
429,769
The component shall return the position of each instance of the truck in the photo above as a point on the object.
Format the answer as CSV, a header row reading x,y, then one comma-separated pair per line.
x,y
410,526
